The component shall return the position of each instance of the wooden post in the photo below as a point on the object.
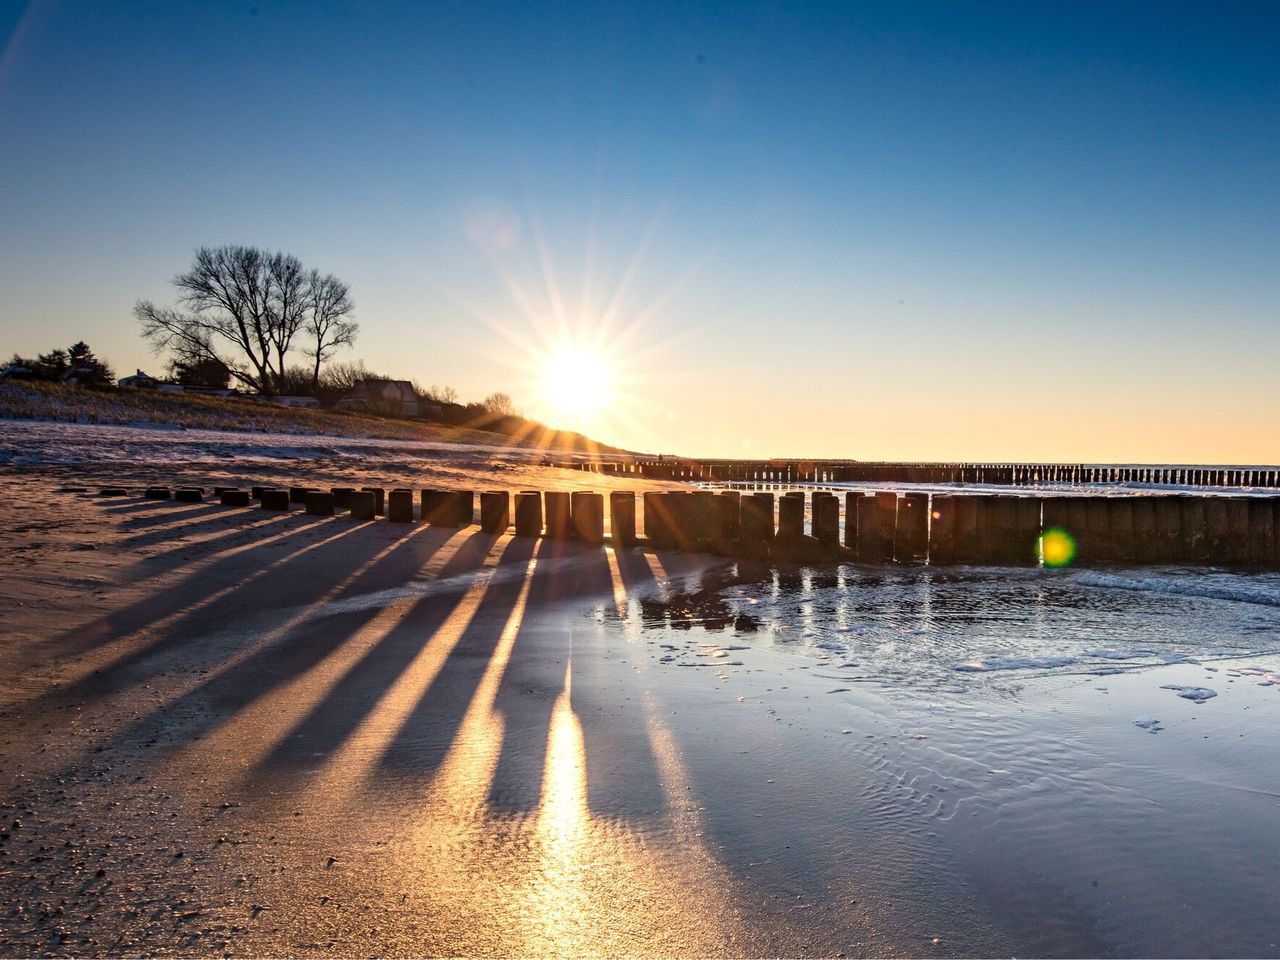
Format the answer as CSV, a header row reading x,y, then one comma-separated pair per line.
x,y
756,524
189,495
558,514
319,504
911,529
681,519
1191,526
1120,524
622,518
235,498
1217,530
380,498
1145,548
791,516
943,529
877,516
1261,531
1238,529
657,519
851,519
528,513
362,504
342,497
495,511
158,493
275,499
1167,541
826,520
400,506
728,508
464,507
587,510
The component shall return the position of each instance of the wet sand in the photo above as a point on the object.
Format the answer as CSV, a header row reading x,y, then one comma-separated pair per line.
x,y
227,731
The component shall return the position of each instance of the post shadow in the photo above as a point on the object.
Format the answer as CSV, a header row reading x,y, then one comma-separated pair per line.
x,y
153,536
156,606
332,720
297,650
172,516
296,581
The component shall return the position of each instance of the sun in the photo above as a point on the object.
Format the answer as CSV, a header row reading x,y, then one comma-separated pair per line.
x,y
576,383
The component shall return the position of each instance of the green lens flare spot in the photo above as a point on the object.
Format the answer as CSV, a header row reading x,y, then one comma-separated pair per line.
x,y
1057,548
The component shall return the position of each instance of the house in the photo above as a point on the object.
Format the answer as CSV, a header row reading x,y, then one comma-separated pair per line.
x,y
140,380
392,397
15,371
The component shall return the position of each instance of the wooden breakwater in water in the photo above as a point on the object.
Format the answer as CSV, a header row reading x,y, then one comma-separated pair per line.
x,y
879,528
1003,474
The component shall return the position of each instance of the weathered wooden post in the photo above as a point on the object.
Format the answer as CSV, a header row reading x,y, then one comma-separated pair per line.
x,y
113,492
1191,527
235,498
495,511
791,516
189,495
755,531
1238,529
432,508
342,497
942,529
622,518
911,529
320,504
464,507
587,510
1120,523
1217,530
730,503
379,498
559,514
400,506
1261,531
157,493
657,519
528,513
826,520
681,511
299,494
256,492
877,516
362,504
851,519
275,499
1145,548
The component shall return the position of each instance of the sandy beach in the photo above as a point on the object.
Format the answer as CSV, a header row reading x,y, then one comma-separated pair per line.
x,y
232,732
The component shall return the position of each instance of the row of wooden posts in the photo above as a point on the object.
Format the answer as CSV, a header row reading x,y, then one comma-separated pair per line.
x,y
1005,474
883,527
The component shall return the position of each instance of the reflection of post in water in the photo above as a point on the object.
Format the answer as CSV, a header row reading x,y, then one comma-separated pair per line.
x,y
704,607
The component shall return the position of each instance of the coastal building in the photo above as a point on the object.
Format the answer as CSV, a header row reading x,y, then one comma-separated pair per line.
x,y
393,397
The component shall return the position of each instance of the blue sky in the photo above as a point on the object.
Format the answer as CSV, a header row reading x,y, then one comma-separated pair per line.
x,y
874,230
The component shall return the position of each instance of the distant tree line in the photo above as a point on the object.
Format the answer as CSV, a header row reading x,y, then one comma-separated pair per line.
x,y
77,362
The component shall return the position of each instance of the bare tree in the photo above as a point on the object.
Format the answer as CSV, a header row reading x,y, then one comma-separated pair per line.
x,y
244,308
442,394
328,320
499,403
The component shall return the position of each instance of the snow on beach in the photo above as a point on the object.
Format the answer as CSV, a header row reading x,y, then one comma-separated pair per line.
x,y
30,443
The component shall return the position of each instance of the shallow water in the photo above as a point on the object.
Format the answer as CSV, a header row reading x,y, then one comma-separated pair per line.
x,y
1087,756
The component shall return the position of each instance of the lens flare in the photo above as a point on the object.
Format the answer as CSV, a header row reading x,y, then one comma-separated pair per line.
x,y
1057,547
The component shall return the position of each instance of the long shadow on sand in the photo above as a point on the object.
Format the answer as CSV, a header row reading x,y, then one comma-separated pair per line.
x,y
276,660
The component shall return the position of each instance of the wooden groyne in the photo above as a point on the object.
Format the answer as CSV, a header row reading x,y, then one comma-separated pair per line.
x,y
786,472
866,527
